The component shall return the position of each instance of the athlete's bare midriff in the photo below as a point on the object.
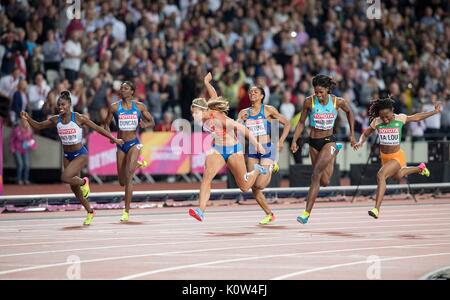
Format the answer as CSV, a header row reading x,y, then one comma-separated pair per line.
x,y
389,149
318,133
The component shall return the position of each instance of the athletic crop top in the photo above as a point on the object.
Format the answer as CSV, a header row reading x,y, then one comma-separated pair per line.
x,y
323,116
70,133
390,134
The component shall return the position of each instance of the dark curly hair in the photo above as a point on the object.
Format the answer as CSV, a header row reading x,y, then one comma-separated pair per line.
x,y
379,104
324,81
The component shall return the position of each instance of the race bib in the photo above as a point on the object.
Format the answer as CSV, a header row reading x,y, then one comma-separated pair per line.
x,y
389,136
324,121
256,127
128,122
68,136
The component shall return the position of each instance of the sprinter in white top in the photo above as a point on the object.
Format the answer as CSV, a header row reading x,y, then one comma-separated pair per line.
x,y
69,125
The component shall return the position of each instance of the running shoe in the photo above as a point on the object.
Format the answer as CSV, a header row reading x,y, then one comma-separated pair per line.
x,y
197,214
424,170
374,213
339,146
124,217
142,162
267,219
261,169
275,168
303,218
89,218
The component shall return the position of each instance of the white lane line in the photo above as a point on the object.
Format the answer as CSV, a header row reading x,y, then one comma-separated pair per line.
x,y
308,271
294,228
189,240
317,212
217,262
39,267
390,214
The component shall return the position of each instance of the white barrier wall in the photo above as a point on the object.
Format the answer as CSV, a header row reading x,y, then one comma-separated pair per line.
x,y
415,153
48,154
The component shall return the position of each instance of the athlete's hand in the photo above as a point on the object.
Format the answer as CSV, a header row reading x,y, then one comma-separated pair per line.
x,y
437,107
117,141
357,146
260,149
294,147
280,146
208,77
24,115
352,141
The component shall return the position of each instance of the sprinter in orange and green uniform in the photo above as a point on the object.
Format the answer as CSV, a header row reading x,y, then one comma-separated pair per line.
x,y
389,126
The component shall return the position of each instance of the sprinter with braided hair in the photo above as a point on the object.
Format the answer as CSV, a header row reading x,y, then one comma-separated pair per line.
x,y
389,126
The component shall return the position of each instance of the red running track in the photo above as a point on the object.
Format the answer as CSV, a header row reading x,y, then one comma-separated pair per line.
x,y
340,242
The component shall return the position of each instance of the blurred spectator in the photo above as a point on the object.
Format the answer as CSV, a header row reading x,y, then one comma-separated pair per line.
x,y
417,130
20,143
78,97
72,56
154,101
446,117
10,53
49,109
274,44
37,94
8,83
433,123
52,52
166,124
287,109
167,94
89,69
20,101
97,100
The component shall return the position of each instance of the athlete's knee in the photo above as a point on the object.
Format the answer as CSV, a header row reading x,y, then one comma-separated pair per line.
x,y
259,186
64,178
255,189
397,177
316,175
243,188
381,176
207,178
129,171
325,181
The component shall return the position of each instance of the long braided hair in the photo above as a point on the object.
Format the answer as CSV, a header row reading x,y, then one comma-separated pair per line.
x,y
379,104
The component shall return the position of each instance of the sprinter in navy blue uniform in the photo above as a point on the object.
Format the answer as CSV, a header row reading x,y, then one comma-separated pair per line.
x,y
258,119
129,114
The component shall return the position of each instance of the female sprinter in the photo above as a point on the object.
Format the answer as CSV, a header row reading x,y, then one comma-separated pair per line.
x,y
321,108
389,127
127,114
69,124
226,149
257,119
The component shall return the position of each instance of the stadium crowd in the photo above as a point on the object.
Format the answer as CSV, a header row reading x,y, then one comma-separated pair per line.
x,y
166,47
